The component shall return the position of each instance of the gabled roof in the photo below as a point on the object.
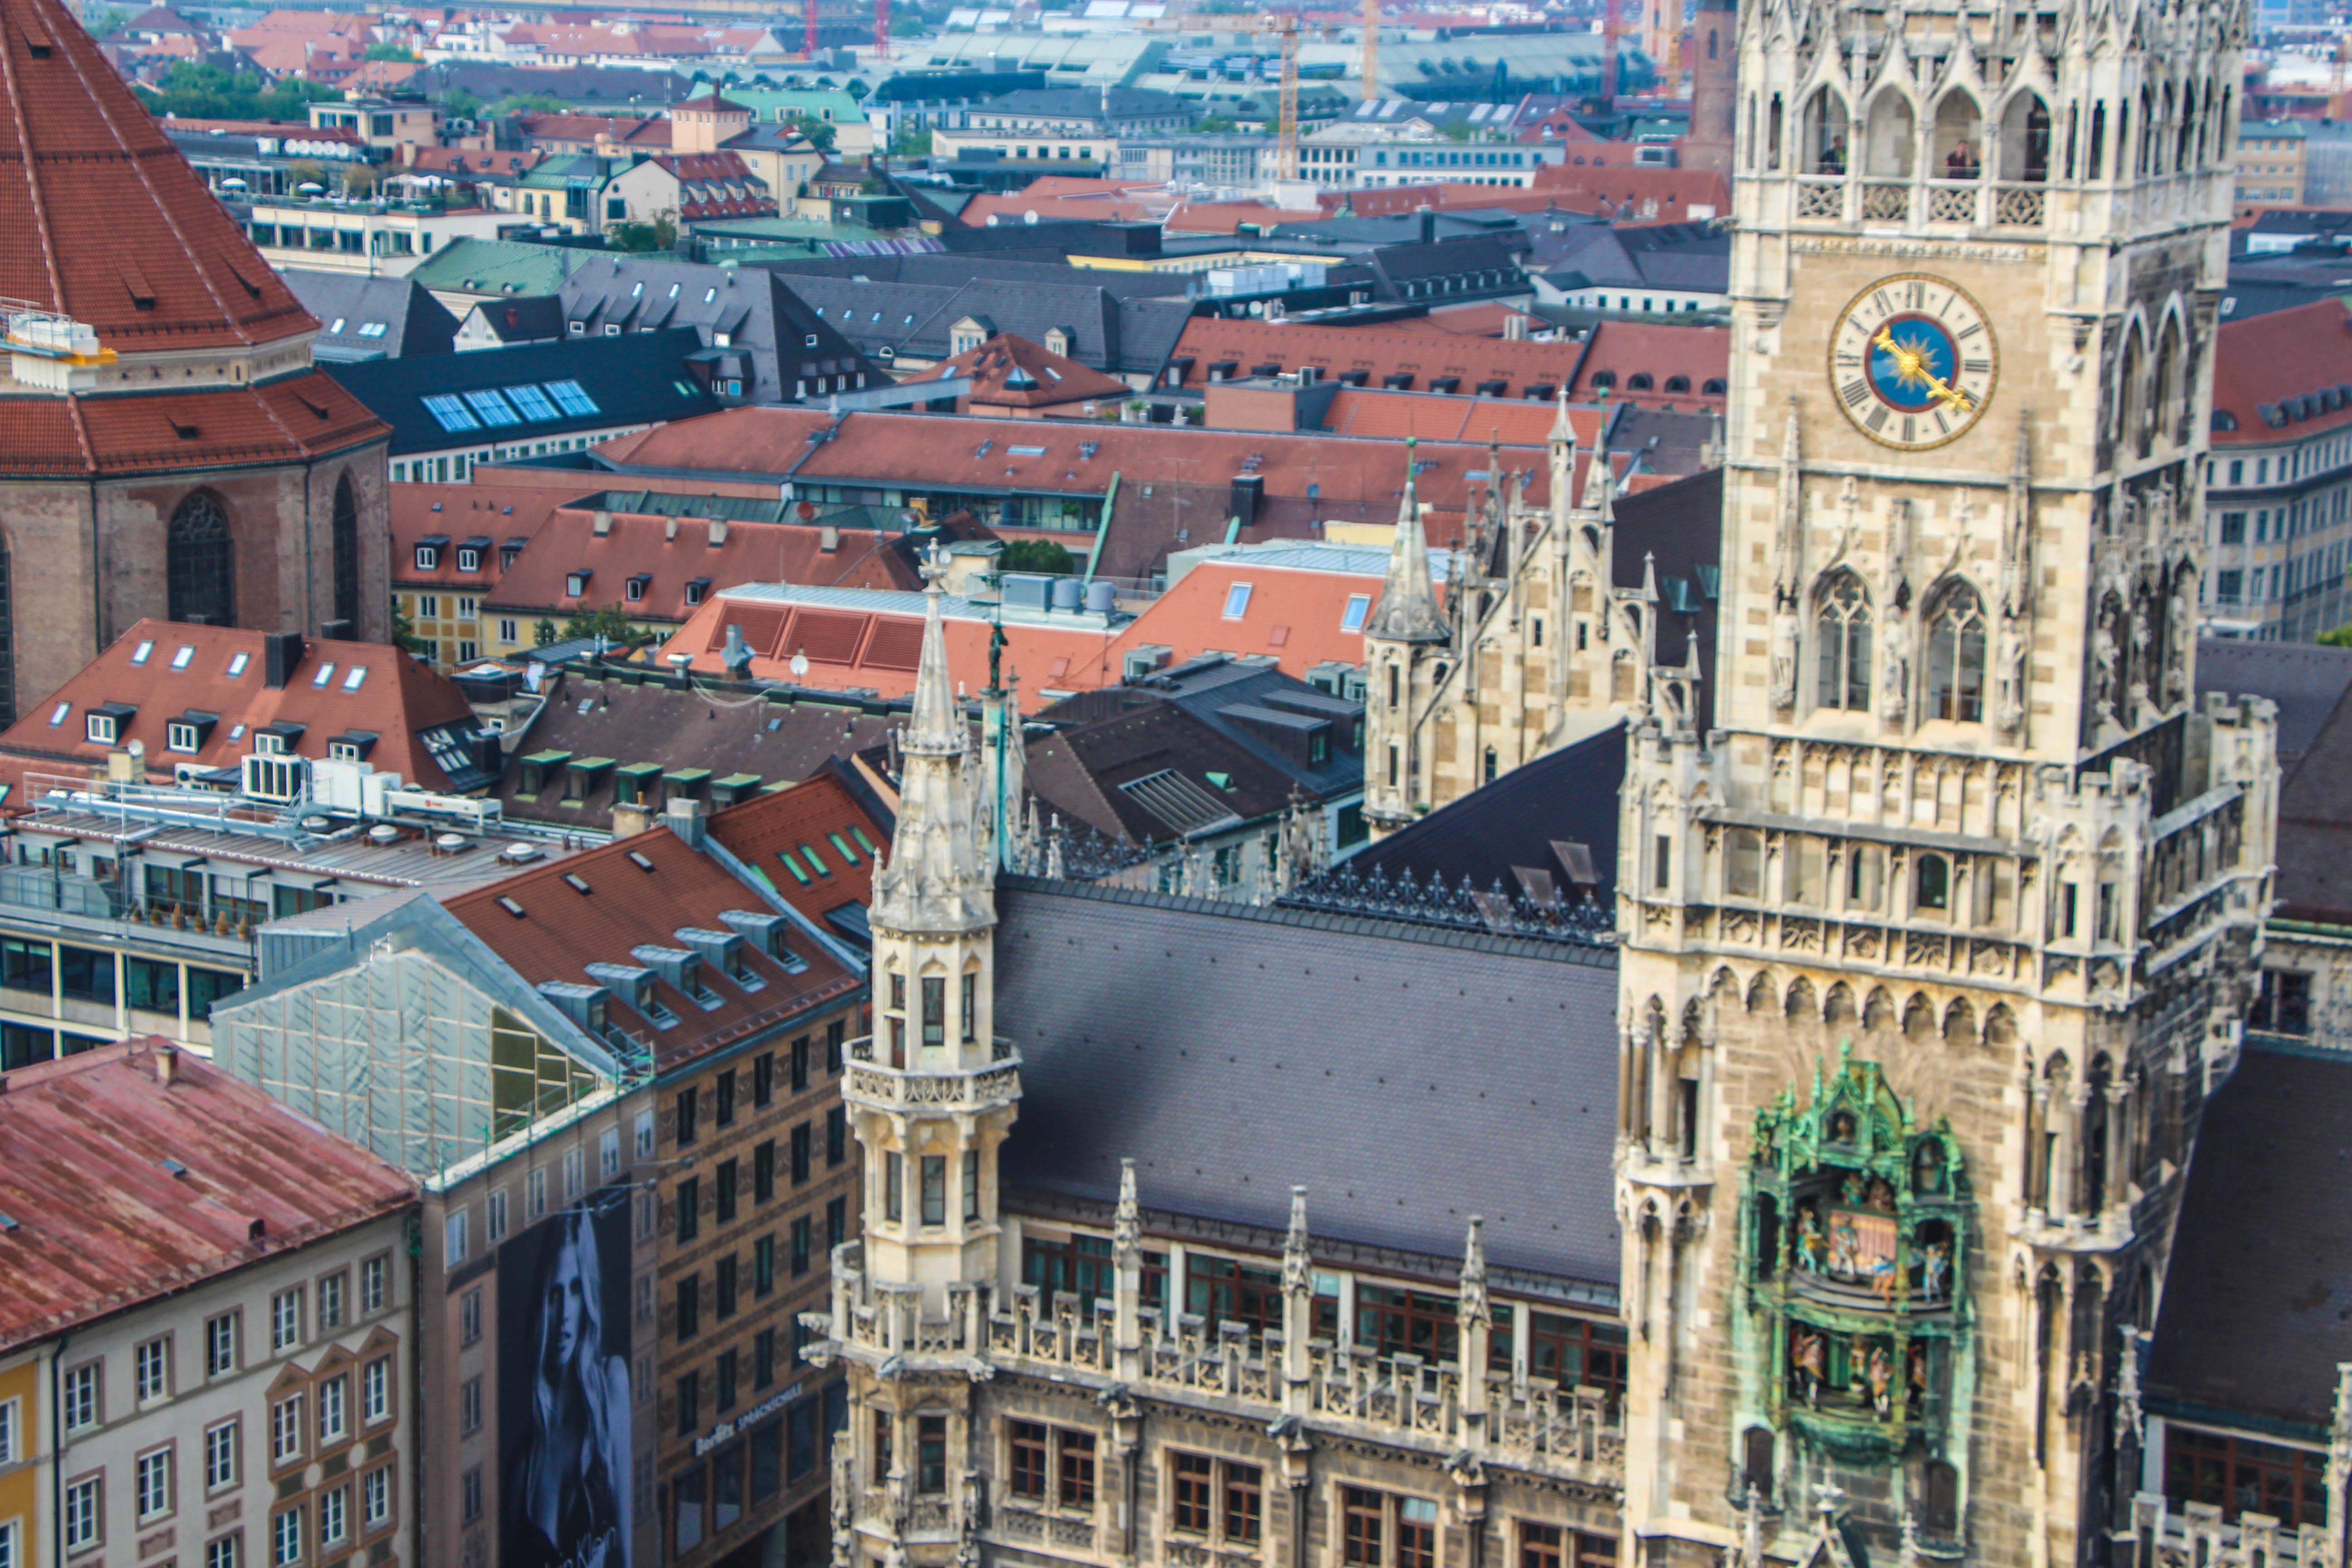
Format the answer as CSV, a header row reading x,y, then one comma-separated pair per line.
x,y
1624,352
598,906
665,552
216,679
1194,749
1233,1052
636,378
1430,416
373,318
303,415
1010,371
500,267
832,811
136,1171
764,319
2275,375
1498,831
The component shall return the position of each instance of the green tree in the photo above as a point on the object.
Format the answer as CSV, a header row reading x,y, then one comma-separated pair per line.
x,y
113,22
543,632
385,49
2340,637
658,233
856,89
403,630
817,133
1215,125
1037,555
610,622
912,142
459,104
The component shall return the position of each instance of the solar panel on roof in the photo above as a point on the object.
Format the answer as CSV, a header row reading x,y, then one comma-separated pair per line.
x,y
1177,801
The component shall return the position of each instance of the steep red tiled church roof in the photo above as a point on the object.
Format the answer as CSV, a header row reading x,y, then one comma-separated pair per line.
x,y
101,219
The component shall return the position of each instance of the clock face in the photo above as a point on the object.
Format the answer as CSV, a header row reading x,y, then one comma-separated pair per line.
x,y
1912,361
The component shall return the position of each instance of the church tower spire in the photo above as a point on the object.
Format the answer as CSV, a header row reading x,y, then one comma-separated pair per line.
x,y
1406,637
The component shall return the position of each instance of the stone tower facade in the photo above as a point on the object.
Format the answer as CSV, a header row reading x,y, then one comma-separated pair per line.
x,y
930,1094
1534,646
1715,87
1933,947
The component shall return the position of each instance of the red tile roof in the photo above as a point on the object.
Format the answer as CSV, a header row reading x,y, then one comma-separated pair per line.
x,y
102,1221
1662,350
928,451
396,699
1515,422
1485,319
1378,351
640,891
669,553
822,813
98,209
2264,367
305,416
1010,372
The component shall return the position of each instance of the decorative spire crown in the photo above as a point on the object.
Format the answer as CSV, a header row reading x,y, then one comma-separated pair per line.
x,y
938,878
1408,609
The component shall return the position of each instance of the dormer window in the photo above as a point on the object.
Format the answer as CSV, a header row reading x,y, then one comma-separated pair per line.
x,y
697,589
575,584
104,725
634,589
469,561
188,733
428,559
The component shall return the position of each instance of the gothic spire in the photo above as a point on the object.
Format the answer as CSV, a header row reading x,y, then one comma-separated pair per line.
x,y
1473,1307
1601,473
1408,609
937,878
1787,547
1297,1259
1563,457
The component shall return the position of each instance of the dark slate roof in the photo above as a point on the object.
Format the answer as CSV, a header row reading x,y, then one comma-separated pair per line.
x,y
634,379
1695,257
764,320
1212,715
781,743
583,87
1111,334
1476,265
1671,442
1680,524
408,320
1495,833
529,319
954,271
2304,678
1233,1052
2258,1306
2315,828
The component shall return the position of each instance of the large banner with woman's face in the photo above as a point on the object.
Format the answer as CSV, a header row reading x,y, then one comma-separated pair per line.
x,y
564,1388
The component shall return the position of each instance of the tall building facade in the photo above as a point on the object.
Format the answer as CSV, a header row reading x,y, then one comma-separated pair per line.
x,y
169,450
1935,943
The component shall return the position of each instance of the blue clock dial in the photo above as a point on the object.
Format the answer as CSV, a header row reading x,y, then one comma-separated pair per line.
x,y
1912,361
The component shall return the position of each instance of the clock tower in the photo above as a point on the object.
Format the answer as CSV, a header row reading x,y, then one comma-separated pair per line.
x,y
1932,948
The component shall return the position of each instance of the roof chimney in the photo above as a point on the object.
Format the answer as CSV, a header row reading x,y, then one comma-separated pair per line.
x,y
1428,224
683,817
280,653
167,1064
717,532
737,656
669,528
602,523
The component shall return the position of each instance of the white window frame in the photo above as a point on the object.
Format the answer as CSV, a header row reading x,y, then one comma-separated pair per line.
x,y
286,1321
290,1439
83,1514
375,1285
152,1486
334,1409
221,1455
80,1396
151,1369
375,1391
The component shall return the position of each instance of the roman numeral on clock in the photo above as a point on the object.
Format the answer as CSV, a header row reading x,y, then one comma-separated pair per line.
x,y
1908,434
1855,391
1976,367
1878,420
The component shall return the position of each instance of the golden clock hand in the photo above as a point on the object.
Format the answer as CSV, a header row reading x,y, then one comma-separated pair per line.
x,y
1911,362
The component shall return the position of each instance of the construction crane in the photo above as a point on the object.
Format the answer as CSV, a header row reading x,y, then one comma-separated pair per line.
x,y
1372,49
1285,27
808,29
882,28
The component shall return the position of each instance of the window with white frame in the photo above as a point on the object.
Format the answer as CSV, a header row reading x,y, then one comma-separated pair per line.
x,y
374,1276
285,1320
330,1302
80,1525
11,1546
573,1163
453,1239
375,1391
285,1432
220,1344
151,1365
334,1409
155,1485
222,1554
608,1156
220,1456
534,1193
286,1537
644,1135
334,1517
8,1425
494,1216
79,1394
376,1497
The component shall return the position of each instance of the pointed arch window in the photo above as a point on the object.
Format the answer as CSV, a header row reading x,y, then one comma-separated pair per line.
x,y
1842,631
347,554
1956,656
199,565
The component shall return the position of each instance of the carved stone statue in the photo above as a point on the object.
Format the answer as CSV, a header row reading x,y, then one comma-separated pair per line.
x,y
2010,676
1785,635
1894,669
2106,653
